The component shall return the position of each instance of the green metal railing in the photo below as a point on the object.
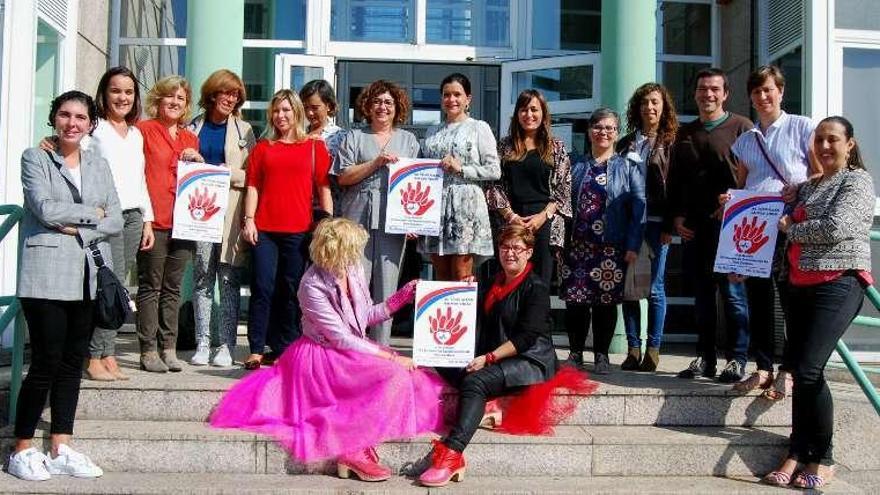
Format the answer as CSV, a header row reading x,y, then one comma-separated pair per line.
x,y
869,321
13,214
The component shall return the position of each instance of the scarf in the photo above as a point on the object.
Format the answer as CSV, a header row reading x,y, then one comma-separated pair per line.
x,y
500,290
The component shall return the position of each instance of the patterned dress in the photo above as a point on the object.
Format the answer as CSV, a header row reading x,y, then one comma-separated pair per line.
x,y
465,225
592,271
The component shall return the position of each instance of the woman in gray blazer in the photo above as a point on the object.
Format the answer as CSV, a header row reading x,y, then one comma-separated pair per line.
x,y
70,202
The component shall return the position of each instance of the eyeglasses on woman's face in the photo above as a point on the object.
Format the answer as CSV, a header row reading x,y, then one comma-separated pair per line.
x,y
513,248
388,102
608,129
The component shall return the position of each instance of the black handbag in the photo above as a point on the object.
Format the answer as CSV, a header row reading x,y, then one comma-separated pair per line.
x,y
112,300
113,303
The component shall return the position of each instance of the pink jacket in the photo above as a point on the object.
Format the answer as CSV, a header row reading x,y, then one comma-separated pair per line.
x,y
333,320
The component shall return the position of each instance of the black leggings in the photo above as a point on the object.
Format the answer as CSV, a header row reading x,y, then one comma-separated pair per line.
x,y
577,322
474,390
824,313
60,332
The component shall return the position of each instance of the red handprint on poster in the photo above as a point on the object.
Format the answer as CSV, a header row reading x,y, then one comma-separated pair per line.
x,y
749,237
414,200
202,206
447,329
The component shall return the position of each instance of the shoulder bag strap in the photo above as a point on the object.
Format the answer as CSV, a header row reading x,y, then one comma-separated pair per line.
x,y
767,157
77,198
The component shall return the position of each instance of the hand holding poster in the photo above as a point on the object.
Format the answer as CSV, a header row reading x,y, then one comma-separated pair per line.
x,y
415,188
445,324
748,233
201,201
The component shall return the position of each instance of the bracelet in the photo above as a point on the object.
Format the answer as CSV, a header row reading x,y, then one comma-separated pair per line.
x,y
490,358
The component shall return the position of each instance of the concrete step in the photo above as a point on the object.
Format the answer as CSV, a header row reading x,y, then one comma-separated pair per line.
x,y
191,447
218,484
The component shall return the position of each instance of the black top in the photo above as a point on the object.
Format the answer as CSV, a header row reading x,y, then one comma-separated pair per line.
x,y
523,318
527,180
657,171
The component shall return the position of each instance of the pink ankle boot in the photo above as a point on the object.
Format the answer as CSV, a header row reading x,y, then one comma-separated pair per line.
x,y
446,465
365,464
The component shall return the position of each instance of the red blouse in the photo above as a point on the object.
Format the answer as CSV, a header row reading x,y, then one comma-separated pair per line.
x,y
282,174
161,153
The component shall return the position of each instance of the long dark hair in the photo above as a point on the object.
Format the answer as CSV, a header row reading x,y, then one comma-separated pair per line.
x,y
668,119
518,135
854,161
324,91
74,95
101,102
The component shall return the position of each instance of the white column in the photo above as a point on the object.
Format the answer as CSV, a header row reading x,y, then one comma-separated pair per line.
x,y
16,108
819,20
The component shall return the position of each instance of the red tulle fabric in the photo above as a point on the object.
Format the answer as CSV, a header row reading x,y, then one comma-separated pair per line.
x,y
542,406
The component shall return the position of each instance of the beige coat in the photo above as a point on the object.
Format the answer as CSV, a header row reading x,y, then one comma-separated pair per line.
x,y
234,250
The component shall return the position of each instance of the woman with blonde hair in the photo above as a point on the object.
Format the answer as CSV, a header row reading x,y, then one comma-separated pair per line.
x,y
160,269
286,171
535,186
224,140
334,377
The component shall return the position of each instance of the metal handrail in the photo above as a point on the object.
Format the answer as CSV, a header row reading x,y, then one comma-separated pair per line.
x,y
848,359
13,214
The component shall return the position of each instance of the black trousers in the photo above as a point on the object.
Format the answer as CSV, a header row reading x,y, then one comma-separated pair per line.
x,y
60,332
577,323
824,313
474,390
542,257
762,324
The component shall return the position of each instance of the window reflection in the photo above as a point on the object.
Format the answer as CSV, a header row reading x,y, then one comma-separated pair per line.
x,y
468,22
372,20
567,25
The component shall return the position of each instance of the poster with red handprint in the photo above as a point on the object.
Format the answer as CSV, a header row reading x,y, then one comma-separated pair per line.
x,y
414,197
200,204
445,324
748,233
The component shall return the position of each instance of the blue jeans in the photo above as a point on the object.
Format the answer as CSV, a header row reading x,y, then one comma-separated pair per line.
x,y
273,316
700,258
632,314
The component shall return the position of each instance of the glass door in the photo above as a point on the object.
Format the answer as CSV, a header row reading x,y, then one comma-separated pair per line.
x,y
292,71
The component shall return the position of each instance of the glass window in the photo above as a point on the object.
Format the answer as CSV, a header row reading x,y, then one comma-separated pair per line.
x,y
426,106
153,18
48,55
373,20
558,84
857,14
680,79
861,78
567,25
468,22
275,19
151,63
792,66
687,28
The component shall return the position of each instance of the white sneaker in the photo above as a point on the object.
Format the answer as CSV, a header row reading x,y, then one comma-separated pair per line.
x,y
200,358
29,465
73,463
222,357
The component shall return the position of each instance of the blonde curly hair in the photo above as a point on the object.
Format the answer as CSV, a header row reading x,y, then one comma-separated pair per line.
x,y
167,86
338,244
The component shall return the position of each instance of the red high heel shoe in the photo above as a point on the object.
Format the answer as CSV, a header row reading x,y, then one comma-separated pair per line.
x,y
364,464
446,465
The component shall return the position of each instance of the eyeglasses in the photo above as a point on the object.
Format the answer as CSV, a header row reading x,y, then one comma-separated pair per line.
x,y
513,249
379,102
598,129
231,94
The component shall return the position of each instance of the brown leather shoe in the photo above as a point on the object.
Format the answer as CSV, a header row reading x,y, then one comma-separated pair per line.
x,y
651,360
633,356
150,362
169,356
112,366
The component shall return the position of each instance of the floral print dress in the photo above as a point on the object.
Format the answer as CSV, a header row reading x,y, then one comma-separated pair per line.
x,y
592,271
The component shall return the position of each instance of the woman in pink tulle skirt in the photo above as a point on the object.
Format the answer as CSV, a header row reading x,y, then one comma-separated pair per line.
x,y
334,393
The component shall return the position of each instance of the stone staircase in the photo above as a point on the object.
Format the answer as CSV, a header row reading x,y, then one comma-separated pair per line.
x,y
639,432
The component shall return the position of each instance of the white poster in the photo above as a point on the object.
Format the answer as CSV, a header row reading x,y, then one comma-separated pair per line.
x,y
201,201
445,324
748,233
415,188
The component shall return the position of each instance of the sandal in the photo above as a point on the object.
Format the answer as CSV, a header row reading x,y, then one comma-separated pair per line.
x,y
758,379
781,387
491,416
809,481
777,478
253,363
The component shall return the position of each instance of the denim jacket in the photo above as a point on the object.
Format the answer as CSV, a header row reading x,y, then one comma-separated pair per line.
x,y
625,205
